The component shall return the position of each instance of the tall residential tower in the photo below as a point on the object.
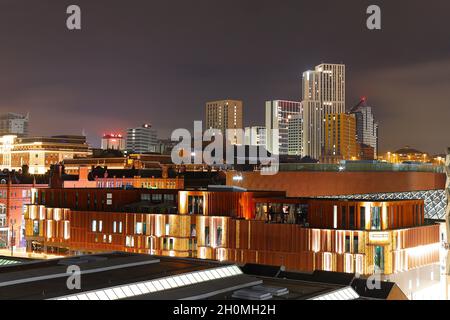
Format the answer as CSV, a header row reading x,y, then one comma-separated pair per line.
x,y
323,91
278,115
295,136
223,115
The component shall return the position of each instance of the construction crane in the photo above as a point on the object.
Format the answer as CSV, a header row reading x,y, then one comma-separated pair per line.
x,y
361,103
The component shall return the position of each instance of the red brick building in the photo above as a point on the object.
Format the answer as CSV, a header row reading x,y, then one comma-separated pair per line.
x,y
16,191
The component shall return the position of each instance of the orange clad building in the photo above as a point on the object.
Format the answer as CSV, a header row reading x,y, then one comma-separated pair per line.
x,y
235,225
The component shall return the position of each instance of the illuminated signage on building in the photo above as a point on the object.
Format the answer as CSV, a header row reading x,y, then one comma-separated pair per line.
x,y
379,237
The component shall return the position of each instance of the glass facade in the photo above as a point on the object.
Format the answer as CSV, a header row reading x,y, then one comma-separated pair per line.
x,y
282,212
379,259
195,204
375,217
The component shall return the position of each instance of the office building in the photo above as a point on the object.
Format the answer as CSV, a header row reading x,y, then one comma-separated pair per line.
x,y
39,153
295,136
142,139
340,138
278,115
323,91
14,124
113,141
255,136
366,127
226,115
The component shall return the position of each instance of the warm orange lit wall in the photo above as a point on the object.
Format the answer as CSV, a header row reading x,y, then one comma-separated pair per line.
x,y
394,214
243,241
340,136
229,204
310,184
14,197
94,198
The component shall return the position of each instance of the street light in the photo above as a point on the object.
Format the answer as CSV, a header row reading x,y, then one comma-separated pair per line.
x,y
13,238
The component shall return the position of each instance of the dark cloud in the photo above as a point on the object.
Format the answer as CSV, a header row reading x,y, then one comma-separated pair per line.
x,y
158,61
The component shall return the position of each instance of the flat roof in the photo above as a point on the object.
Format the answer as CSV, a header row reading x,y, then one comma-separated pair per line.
x,y
117,275
47,279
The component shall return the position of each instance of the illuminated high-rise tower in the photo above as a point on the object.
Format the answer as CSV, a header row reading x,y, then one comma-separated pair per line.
x,y
142,139
223,115
323,91
278,115
366,127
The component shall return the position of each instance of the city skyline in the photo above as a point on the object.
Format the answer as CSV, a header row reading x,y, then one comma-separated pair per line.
x,y
236,151
111,76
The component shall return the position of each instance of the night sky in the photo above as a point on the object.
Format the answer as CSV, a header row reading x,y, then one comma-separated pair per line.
x,y
159,61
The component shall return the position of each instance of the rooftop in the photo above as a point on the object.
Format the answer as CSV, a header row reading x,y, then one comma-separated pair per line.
x,y
113,276
18,177
362,166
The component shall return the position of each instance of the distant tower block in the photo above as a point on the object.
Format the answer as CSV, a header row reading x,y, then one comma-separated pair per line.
x,y
113,141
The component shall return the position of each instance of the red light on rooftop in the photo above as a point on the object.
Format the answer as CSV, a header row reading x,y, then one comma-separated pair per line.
x,y
112,135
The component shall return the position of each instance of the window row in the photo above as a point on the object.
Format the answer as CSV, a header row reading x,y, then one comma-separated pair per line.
x,y
97,226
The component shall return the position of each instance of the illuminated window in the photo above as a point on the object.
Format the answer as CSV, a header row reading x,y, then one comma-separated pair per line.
x,y
219,236
169,197
49,229
140,228
379,259
327,266
376,218
335,219
145,197
195,204
94,226
156,197
167,229
66,230
129,241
